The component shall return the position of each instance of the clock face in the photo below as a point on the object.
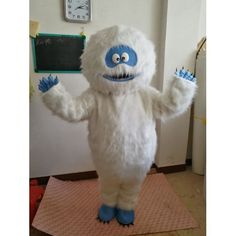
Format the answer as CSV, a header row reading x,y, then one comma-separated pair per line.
x,y
78,10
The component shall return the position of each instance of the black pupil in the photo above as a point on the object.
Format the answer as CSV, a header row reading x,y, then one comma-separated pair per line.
x,y
117,58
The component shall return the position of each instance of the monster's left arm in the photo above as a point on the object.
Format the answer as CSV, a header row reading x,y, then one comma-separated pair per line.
x,y
177,96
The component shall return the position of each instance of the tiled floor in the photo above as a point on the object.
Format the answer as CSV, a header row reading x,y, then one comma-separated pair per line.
x,y
189,187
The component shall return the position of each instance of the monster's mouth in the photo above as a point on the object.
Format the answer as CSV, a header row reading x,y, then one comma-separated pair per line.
x,y
120,77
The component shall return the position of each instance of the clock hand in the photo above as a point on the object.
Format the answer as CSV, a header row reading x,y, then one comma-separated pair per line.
x,y
80,7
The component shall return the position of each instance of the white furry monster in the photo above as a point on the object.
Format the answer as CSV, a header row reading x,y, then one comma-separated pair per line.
x,y
122,109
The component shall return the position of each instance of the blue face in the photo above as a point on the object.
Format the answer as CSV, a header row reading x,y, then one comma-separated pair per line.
x,y
117,55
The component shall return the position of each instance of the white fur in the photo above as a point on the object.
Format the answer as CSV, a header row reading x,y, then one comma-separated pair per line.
x,y
93,59
122,115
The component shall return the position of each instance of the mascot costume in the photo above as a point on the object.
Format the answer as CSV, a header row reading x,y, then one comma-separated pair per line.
x,y
121,108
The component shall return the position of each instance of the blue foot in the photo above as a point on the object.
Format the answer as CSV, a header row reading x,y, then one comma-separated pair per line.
x,y
106,213
124,217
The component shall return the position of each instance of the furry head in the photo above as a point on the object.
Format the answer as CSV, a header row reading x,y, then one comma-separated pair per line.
x,y
118,60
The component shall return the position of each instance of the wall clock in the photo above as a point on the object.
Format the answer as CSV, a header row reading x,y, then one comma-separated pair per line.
x,y
78,10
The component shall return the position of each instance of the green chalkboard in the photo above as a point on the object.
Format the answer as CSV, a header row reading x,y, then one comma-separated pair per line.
x,y
58,53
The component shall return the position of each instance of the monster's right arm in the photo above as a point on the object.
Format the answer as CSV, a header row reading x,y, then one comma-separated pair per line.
x,y
61,103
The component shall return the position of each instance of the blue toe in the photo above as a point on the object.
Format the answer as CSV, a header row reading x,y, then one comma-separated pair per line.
x,y
125,217
106,213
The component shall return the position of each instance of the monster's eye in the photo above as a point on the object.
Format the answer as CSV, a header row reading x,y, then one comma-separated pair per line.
x,y
125,57
116,58
121,54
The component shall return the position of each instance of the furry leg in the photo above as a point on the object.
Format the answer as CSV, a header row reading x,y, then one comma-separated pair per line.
x,y
127,199
128,195
109,190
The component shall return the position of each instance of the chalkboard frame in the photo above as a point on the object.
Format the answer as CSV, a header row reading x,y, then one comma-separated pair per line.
x,y
83,37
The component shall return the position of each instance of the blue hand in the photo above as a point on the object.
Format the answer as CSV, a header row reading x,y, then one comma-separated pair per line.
x,y
46,83
185,74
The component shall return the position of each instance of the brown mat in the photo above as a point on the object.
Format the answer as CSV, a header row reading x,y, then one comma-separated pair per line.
x,y
70,208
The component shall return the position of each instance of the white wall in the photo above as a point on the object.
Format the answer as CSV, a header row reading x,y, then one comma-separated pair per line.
x,y
202,21
175,27
181,20
57,147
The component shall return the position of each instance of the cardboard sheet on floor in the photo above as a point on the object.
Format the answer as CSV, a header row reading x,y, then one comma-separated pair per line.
x,y
70,208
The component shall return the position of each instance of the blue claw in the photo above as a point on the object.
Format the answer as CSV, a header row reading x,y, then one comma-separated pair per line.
x,y
185,74
46,83
182,73
56,80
